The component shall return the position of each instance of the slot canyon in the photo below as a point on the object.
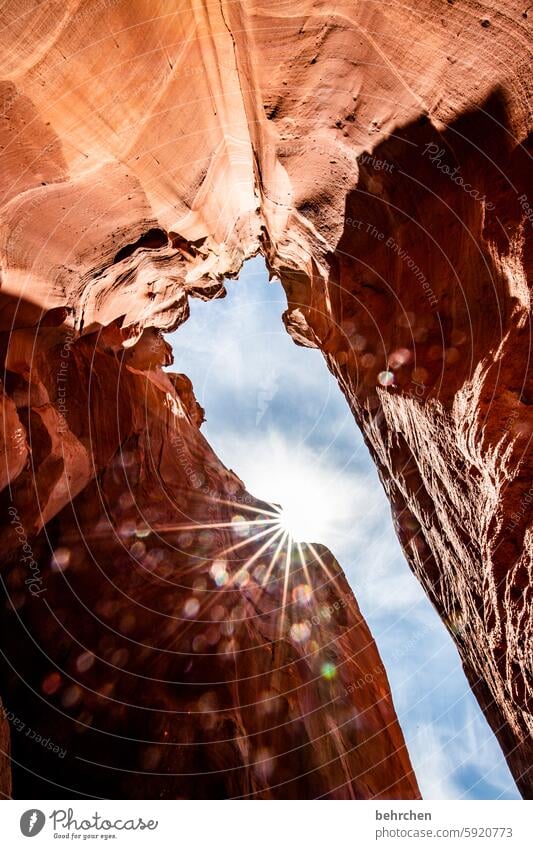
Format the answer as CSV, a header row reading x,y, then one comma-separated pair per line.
x,y
158,627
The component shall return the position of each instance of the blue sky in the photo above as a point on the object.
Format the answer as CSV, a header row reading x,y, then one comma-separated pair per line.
x,y
276,416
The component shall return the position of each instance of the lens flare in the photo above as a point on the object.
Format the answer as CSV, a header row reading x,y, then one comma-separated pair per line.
x,y
328,671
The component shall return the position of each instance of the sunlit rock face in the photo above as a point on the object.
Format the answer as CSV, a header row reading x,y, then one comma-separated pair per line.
x,y
377,154
163,637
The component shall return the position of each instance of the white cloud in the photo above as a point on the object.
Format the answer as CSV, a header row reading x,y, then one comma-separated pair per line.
x,y
433,764
276,416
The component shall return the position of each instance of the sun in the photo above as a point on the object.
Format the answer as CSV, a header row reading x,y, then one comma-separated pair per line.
x,y
303,515
307,497
303,494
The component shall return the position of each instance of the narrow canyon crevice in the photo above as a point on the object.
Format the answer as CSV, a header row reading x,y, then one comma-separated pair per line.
x,y
155,632
380,158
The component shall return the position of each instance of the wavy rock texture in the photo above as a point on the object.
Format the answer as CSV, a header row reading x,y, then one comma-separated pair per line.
x,y
161,641
377,154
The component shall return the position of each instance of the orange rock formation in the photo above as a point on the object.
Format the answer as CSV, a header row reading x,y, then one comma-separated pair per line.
x,y
162,637
378,155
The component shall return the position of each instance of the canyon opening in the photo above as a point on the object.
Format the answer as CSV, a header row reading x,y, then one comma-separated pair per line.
x,y
275,415
265,540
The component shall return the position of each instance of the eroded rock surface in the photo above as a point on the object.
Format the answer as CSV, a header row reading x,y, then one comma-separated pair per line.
x,y
379,156
162,638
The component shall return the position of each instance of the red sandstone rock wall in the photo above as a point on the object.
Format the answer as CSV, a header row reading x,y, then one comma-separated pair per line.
x,y
379,156
5,757
160,636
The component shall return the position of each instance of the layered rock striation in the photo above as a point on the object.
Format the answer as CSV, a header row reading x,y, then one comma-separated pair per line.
x,y
163,638
379,155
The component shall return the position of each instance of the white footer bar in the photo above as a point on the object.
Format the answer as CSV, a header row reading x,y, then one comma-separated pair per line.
x,y
268,825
